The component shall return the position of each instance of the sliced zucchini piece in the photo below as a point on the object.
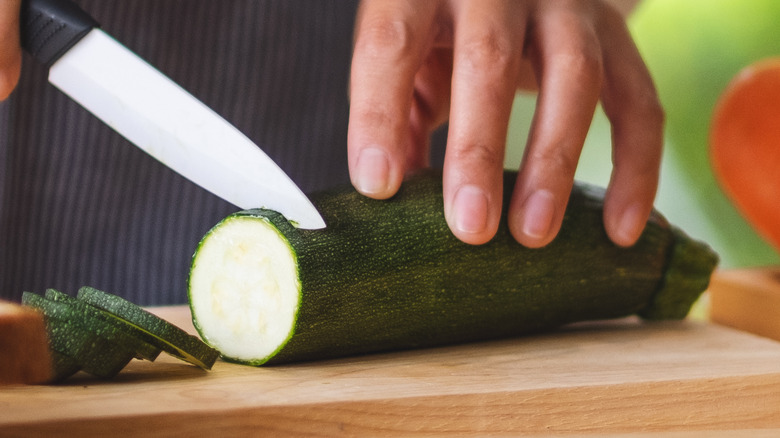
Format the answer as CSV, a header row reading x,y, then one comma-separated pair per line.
x,y
92,352
170,338
105,325
63,366
95,355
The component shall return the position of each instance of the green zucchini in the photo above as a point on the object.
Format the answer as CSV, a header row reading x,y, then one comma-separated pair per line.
x,y
91,351
161,333
63,366
105,325
102,357
99,333
389,275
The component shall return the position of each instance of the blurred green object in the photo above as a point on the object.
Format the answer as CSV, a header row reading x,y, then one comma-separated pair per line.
x,y
693,49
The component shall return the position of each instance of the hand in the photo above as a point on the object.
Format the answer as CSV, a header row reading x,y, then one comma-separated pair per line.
x,y
417,64
10,51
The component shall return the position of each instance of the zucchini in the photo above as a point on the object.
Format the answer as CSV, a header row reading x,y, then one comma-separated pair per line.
x,y
105,325
99,333
161,333
389,275
63,365
92,352
95,355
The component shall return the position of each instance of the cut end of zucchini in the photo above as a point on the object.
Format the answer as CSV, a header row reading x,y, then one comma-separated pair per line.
x,y
246,292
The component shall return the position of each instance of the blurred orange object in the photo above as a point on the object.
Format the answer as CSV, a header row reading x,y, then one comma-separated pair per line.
x,y
745,145
24,347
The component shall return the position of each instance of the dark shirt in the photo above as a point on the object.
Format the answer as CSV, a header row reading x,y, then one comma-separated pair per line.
x,y
79,205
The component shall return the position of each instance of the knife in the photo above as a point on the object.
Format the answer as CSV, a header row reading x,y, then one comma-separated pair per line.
x,y
156,114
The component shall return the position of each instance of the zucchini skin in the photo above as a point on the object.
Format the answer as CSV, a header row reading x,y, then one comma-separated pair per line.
x,y
389,275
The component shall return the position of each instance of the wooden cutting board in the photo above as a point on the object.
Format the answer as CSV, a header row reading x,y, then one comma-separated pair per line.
x,y
594,379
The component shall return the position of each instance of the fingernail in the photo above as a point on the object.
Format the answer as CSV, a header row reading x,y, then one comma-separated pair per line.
x,y
373,171
630,225
539,209
471,209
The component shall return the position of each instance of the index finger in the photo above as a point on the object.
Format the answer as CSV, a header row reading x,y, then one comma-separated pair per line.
x,y
390,44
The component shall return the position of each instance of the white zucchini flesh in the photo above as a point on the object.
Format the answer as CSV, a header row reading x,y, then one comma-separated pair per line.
x,y
245,293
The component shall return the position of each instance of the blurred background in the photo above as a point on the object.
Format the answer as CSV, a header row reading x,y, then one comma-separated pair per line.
x,y
693,49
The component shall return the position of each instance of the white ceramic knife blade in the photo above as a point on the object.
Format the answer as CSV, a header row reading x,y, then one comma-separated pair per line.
x,y
166,121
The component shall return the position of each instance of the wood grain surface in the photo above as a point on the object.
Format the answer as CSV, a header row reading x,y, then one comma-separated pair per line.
x,y
596,379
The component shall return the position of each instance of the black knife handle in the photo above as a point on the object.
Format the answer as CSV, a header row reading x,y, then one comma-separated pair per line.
x,y
50,27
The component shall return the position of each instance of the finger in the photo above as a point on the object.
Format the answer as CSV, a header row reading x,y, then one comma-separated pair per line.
x,y
569,68
10,51
390,43
430,105
631,103
487,50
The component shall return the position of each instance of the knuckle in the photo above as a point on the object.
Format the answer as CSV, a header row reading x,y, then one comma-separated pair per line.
x,y
384,38
585,65
634,104
554,160
649,109
640,115
647,170
487,52
377,117
479,155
